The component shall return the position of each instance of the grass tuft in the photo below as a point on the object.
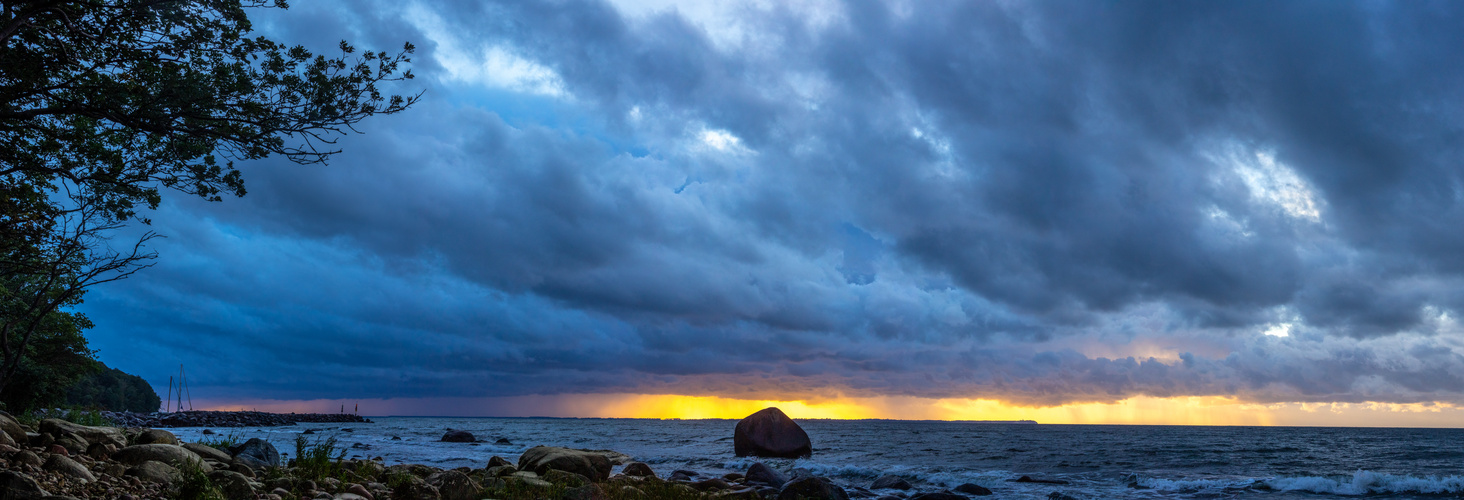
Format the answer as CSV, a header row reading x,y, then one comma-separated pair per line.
x,y
318,460
222,441
195,484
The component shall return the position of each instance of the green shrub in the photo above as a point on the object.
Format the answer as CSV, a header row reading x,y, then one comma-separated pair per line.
x,y
318,460
221,441
195,484
88,418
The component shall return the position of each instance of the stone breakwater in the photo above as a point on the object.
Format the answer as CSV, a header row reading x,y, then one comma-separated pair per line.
x,y
225,419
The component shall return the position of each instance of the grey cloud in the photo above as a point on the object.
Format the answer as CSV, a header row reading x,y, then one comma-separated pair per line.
x,y
952,202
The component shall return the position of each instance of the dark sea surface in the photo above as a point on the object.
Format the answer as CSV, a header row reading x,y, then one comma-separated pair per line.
x,y
1098,461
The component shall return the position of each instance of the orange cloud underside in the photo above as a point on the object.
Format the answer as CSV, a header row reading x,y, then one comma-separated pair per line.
x,y
1137,410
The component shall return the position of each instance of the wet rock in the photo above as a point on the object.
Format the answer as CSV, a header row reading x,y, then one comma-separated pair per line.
x,y
812,488
156,436
256,453
973,490
682,475
498,461
62,465
890,482
105,435
638,469
15,486
165,453
715,483
585,463
503,441
1029,479
458,437
770,433
760,473
938,495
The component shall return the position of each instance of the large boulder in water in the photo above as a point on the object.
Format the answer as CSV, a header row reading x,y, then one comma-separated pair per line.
x,y
455,436
542,459
770,433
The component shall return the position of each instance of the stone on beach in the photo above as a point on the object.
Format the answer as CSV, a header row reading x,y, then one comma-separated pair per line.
x,y
69,468
891,482
454,485
166,453
208,452
541,459
20,487
638,469
770,433
105,435
233,485
760,473
156,436
256,453
154,471
812,488
12,428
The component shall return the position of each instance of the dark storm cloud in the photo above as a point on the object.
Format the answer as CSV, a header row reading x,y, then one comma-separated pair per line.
x,y
931,199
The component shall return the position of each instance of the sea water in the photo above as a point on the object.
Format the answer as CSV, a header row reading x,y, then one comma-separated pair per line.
x,y
1097,461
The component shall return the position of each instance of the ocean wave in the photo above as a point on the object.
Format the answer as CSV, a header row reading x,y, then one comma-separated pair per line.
x,y
1359,483
1193,485
1365,482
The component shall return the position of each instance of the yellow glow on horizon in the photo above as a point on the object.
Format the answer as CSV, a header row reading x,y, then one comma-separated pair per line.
x,y
1194,410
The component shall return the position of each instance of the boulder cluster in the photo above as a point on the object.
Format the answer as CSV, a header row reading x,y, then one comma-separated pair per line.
x,y
225,418
60,460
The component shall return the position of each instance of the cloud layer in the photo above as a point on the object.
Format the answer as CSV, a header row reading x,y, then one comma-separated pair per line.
x,y
1040,203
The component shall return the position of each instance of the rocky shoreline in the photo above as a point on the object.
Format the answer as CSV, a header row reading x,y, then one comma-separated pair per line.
x,y
225,419
60,460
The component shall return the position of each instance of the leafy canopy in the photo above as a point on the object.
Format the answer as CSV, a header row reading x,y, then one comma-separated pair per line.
x,y
117,98
104,104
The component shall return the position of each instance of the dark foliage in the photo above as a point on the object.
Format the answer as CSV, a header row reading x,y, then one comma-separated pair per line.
x,y
114,390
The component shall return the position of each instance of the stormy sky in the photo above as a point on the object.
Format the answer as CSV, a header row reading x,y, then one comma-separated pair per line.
x,y
1036,202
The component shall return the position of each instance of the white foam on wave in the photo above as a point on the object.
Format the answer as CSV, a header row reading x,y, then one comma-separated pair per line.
x,y
1193,485
1365,482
